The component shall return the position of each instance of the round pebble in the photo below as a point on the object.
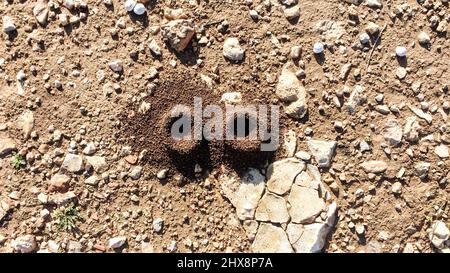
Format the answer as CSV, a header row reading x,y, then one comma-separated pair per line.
x,y
254,14
139,9
318,48
400,51
130,4
364,38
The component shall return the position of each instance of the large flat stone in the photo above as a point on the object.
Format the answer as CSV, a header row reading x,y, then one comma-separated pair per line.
x,y
272,208
271,239
308,238
245,194
305,203
281,174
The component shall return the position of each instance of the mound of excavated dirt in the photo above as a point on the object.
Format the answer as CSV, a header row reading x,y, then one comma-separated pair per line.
x,y
146,126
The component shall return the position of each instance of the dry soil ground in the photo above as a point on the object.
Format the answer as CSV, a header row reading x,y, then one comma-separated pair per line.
x,y
84,86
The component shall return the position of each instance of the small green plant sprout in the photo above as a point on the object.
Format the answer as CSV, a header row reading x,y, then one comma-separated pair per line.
x,y
18,161
428,219
67,217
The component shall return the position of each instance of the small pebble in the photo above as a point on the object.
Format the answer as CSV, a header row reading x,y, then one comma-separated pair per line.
x,y
397,188
318,48
400,51
423,38
254,14
130,4
364,38
139,9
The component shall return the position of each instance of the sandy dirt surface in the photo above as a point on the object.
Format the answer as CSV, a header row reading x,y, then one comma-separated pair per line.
x,y
86,159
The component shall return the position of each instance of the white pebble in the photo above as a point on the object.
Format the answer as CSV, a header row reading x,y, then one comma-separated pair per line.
x,y
129,5
139,9
254,14
364,38
318,48
400,51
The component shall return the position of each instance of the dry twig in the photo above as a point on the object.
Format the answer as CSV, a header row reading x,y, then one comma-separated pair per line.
x,y
374,45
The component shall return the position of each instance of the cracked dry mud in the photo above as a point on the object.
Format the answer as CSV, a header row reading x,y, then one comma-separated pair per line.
x,y
87,163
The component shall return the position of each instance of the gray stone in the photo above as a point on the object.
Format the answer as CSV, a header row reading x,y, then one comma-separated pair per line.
x,y
40,12
53,247
297,109
424,38
307,238
374,166
364,146
411,129
147,247
178,33
397,188
251,227
401,73
59,182
305,203
244,194
7,145
272,208
292,13
117,242
421,114
26,122
306,179
331,214
305,156
232,50
421,169
254,14
231,97
158,225
90,149
289,2
162,174
271,239
331,30
281,174
98,163
322,151
24,244
372,28
357,98
290,143
92,180
135,172
439,234
61,198
392,132
289,87
74,247
116,66
43,198
442,151
8,24
374,4
409,248
345,70
152,73
154,47
5,206
72,163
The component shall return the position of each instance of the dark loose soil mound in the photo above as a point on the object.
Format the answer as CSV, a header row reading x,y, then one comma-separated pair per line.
x,y
151,132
